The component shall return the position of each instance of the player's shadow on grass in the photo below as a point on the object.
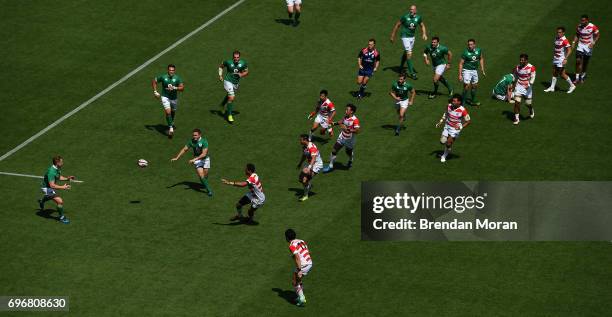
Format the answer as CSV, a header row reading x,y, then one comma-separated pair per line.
x,y
450,156
510,116
47,213
391,127
238,223
395,69
355,92
287,22
190,185
162,129
546,84
289,296
300,191
424,92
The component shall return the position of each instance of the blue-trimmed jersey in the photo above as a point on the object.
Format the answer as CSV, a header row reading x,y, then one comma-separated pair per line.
x,y
369,58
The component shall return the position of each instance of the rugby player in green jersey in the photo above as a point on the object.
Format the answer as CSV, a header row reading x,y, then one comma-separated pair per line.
x,y
403,94
409,23
50,184
200,160
171,84
471,58
440,61
503,90
236,68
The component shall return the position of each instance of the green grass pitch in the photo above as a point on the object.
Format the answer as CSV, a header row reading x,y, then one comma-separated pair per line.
x,y
142,242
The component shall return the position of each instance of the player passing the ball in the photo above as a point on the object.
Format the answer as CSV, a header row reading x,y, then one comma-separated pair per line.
x,y
50,184
323,115
314,164
236,68
350,128
254,197
455,119
200,160
171,84
303,264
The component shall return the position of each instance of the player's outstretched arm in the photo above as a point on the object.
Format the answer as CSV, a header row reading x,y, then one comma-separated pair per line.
x,y
441,120
221,72
232,183
180,153
394,31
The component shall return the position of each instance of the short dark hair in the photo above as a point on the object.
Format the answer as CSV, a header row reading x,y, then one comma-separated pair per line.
x,y
435,38
458,97
250,167
197,130
290,234
562,28
472,40
236,52
323,92
352,106
584,16
402,75
304,136
171,65
56,159
524,55
372,40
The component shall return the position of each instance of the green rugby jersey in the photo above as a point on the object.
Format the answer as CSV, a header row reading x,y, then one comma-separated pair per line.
x,y
166,80
197,146
401,90
438,54
409,24
233,69
471,59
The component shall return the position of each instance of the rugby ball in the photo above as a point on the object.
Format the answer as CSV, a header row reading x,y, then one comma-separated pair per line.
x,y
143,163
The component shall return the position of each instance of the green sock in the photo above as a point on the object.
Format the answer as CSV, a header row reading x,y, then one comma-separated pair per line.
x,y
410,66
473,94
169,120
204,182
403,60
446,83
60,209
230,107
436,85
464,94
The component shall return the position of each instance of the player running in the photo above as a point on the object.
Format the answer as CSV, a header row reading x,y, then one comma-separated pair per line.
x,y
294,6
524,74
440,61
562,52
171,84
368,61
588,34
471,58
503,90
255,197
200,160
350,128
312,156
236,68
50,184
325,112
456,118
409,23
303,264
403,94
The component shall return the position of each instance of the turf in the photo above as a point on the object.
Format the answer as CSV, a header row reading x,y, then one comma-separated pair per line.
x,y
148,242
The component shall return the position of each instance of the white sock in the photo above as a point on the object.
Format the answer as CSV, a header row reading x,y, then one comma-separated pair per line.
x,y
516,116
332,158
582,75
299,291
553,82
569,81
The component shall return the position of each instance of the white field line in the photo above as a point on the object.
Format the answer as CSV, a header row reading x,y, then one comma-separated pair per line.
x,y
120,81
32,176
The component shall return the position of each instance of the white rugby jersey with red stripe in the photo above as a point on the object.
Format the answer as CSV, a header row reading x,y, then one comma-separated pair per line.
x,y
585,33
326,107
311,151
255,186
299,247
352,123
455,117
561,44
524,74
